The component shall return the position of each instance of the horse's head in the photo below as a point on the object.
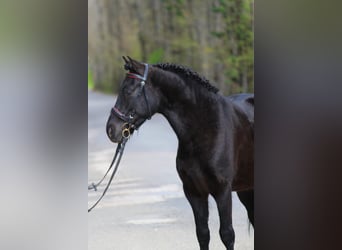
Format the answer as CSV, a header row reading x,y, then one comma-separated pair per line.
x,y
135,102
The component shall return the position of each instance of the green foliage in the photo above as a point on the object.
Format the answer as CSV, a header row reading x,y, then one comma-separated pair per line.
x,y
219,9
156,56
213,37
90,80
218,34
237,40
175,6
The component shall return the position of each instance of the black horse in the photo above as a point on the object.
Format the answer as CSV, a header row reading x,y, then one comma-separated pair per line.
x,y
215,133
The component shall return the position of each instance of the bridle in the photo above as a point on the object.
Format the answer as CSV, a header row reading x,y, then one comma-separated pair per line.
x,y
128,119
126,133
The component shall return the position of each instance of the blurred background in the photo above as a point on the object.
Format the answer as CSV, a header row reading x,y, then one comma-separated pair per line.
x,y
214,37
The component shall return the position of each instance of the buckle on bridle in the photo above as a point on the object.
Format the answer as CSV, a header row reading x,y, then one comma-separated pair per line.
x,y
126,130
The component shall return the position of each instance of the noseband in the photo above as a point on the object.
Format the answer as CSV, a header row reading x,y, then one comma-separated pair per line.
x,y
128,119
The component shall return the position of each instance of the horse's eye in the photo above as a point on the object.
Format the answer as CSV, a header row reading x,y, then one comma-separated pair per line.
x,y
128,89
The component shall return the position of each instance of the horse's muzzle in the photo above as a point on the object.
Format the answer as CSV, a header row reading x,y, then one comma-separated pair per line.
x,y
113,134
117,135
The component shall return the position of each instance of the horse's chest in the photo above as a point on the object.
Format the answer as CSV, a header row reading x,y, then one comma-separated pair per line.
x,y
194,178
199,177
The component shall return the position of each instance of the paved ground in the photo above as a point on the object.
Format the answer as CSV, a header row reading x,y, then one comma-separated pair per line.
x,y
145,208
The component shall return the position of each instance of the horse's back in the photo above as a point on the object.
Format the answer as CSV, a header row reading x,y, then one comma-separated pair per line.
x,y
242,98
245,102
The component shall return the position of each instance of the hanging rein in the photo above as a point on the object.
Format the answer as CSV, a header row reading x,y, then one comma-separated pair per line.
x,y
127,129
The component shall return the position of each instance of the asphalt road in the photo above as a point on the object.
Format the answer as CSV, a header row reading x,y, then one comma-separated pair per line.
x,y
145,208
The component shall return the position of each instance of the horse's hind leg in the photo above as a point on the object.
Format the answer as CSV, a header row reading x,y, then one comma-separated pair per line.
x,y
247,199
224,205
199,206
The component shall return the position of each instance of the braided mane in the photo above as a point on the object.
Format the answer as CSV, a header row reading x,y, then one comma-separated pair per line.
x,y
188,73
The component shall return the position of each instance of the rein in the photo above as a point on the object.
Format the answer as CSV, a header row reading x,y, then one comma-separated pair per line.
x,y
119,152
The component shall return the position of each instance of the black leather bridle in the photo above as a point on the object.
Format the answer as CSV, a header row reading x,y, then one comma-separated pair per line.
x,y
128,119
126,133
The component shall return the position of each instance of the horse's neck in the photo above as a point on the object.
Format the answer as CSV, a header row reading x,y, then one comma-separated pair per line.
x,y
187,108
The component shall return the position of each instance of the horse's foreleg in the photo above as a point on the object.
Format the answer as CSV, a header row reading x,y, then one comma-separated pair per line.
x,y
200,209
224,205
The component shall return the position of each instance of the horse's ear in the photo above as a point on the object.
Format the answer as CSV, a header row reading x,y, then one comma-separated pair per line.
x,y
128,65
125,59
136,66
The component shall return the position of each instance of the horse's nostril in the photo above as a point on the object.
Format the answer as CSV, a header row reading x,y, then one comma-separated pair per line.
x,y
110,132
